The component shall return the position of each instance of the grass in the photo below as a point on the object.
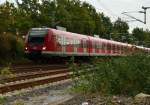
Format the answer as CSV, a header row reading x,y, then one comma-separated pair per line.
x,y
128,75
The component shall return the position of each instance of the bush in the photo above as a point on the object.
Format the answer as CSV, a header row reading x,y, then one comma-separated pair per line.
x,y
19,102
2,100
5,73
11,48
123,75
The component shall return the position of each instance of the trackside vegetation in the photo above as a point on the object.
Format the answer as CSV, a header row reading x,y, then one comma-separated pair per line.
x,y
128,75
12,48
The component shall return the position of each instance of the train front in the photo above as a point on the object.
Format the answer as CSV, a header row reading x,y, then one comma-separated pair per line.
x,y
35,42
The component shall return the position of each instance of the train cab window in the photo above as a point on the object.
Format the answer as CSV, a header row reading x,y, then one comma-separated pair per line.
x,y
36,36
38,33
35,40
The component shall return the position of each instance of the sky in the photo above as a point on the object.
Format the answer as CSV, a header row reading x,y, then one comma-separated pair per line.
x,y
115,8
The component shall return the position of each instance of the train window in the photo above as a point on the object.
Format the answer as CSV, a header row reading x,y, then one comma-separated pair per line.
x,y
36,40
84,44
77,43
122,49
64,41
118,48
100,45
38,32
103,46
81,44
59,40
93,44
108,46
125,49
71,41
97,45
114,48
67,41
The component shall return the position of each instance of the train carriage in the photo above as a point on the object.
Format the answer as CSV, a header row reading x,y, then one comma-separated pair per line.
x,y
47,41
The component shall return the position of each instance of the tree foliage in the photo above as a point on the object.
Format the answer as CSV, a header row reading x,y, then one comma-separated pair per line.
x,y
142,37
77,16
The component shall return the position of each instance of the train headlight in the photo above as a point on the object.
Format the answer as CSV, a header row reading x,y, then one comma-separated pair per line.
x,y
44,48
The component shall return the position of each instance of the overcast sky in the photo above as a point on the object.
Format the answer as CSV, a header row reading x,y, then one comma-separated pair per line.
x,y
114,8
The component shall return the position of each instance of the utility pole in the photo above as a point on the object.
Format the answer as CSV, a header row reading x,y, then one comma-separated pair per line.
x,y
135,19
145,9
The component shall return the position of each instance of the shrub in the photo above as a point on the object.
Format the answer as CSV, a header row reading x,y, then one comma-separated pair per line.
x,y
11,48
122,75
2,100
19,103
5,73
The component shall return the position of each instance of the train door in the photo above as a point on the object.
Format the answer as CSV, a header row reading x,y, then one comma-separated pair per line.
x,y
90,46
63,45
93,47
75,46
59,43
84,46
108,48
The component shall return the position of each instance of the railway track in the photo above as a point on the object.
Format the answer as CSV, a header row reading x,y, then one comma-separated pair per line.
x,y
36,68
33,68
41,76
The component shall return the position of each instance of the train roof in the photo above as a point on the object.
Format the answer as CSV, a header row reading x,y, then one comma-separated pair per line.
x,y
69,34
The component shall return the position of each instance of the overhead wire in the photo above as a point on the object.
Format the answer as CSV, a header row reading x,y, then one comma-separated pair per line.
x,y
114,15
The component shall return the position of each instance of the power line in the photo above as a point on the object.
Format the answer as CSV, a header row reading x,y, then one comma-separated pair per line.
x,y
136,19
108,10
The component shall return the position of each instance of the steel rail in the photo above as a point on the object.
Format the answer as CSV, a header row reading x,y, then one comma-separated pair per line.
x,y
36,82
34,75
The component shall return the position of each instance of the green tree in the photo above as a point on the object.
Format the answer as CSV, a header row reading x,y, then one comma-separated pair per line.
x,y
142,37
6,17
120,30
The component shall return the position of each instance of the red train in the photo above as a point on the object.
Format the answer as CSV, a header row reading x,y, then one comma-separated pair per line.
x,y
48,41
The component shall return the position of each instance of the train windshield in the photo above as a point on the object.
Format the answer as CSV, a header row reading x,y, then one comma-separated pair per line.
x,y
38,33
37,36
36,40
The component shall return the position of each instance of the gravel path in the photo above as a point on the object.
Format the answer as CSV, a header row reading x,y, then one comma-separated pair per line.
x,y
96,99
42,96
59,95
